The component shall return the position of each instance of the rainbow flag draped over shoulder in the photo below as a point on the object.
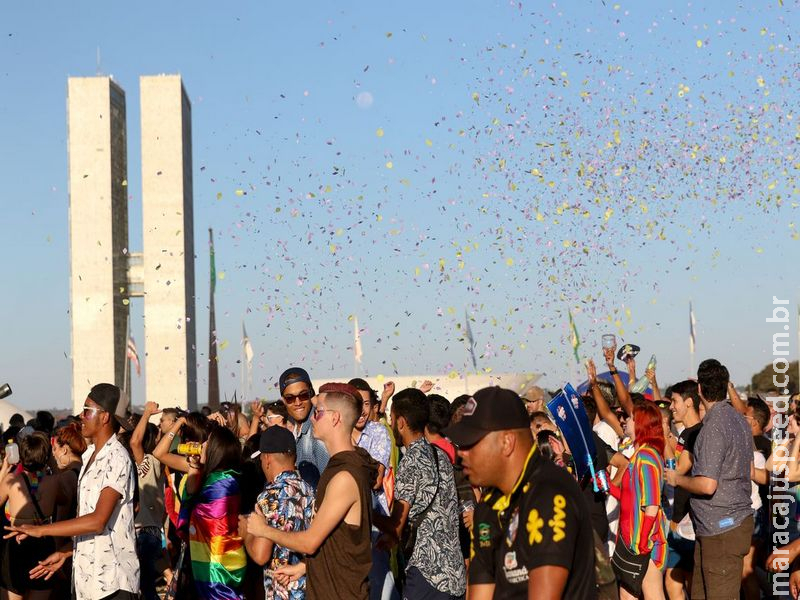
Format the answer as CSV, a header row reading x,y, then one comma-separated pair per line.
x,y
210,521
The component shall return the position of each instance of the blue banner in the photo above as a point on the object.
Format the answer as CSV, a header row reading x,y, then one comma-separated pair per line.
x,y
570,416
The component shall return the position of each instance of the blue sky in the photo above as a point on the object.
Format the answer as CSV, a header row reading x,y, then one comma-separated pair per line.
x,y
407,163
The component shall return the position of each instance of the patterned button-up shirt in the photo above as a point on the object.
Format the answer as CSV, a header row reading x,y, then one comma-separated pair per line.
x,y
106,562
421,483
287,504
375,440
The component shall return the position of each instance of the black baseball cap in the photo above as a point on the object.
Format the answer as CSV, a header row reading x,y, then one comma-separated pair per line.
x,y
111,399
276,440
628,351
489,409
294,375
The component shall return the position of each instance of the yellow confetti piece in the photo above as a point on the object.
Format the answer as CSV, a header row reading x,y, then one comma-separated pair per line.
x,y
723,159
452,375
219,195
124,183
333,248
476,97
223,345
379,378
220,274
428,143
125,301
509,262
699,43
240,192
379,132
378,218
389,165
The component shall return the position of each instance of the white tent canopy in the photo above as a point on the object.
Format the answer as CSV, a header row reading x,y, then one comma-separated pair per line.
x,y
450,386
7,410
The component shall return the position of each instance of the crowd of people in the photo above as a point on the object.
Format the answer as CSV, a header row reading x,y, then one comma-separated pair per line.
x,y
347,493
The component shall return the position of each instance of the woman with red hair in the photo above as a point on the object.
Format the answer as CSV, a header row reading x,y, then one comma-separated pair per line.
x,y
641,549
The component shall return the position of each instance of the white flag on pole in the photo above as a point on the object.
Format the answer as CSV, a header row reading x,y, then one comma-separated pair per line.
x,y
248,347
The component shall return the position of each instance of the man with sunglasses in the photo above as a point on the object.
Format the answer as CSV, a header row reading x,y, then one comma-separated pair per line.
x,y
297,391
105,564
337,542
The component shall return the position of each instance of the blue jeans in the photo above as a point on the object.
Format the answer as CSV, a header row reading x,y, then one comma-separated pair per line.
x,y
419,588
149,550
381,579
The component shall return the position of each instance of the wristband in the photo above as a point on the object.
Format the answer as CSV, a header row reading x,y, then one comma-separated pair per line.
x,y
171,434
613,372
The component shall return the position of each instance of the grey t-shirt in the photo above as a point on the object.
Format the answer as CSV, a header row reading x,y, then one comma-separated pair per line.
x,y
723,452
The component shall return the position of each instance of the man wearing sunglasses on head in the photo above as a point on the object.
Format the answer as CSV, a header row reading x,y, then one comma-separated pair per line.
x,y
297,391
105,564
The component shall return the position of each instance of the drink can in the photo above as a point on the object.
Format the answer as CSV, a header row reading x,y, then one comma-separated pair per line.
x,y
190,449
602,480
672,463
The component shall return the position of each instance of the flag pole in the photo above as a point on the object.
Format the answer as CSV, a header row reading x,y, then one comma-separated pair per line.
x,y
242,370
125,375
692,340
213,370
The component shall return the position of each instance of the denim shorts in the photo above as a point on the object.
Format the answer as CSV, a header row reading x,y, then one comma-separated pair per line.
x,y
681,552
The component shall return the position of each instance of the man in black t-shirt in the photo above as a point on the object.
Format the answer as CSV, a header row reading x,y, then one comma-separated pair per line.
x,y
685,405
531,531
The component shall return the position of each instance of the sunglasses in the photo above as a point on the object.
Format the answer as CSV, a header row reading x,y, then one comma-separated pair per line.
x,y
88,411
301,397
321,412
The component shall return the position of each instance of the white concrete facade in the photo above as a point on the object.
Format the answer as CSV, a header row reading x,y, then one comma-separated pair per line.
x,y
167,198
98,224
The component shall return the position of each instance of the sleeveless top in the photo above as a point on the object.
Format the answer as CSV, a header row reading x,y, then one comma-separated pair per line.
x,y
34,481
340,567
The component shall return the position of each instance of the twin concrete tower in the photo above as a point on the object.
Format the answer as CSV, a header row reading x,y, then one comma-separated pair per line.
x,y
104,273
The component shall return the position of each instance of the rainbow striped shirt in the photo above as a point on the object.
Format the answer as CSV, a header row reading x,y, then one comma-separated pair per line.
x,y
211,518
641,487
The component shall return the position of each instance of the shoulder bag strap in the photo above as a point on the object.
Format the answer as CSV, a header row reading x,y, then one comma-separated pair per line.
x,y
33,497
421,516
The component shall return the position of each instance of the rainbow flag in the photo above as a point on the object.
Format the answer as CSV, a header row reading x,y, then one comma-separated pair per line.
x,y
211,520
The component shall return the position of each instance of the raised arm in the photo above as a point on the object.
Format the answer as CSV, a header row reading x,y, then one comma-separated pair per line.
x,y
623,395
603,409
162,453
651,378
739,404
388,392
258,411
150,409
